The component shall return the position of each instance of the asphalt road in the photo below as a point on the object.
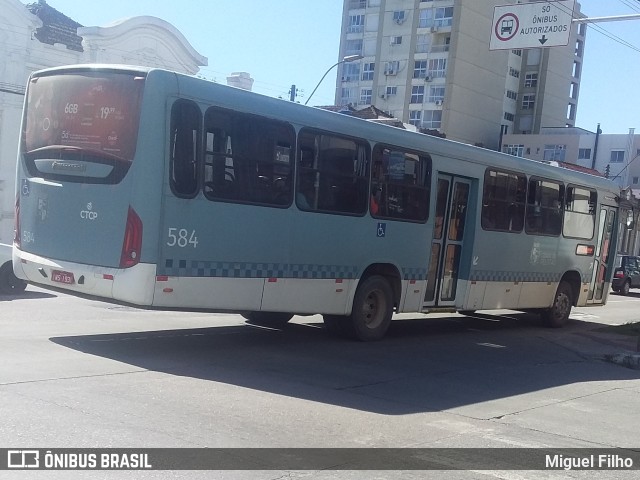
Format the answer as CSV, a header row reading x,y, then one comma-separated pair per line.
x,y
79,373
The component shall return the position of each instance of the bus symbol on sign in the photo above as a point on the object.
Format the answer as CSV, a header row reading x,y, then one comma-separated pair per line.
x,y
507,27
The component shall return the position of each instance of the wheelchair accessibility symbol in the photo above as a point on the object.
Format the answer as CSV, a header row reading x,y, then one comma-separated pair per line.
x,y
382,230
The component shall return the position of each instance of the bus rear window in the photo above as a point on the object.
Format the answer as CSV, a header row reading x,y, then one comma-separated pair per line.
x,y
93,112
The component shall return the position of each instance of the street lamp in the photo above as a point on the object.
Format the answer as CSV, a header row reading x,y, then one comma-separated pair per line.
x,y
348,58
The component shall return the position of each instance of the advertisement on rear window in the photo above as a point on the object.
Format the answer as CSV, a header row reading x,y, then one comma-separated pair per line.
x,y
95,112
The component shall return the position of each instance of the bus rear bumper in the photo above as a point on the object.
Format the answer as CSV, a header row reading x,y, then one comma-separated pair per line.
x,y
132,285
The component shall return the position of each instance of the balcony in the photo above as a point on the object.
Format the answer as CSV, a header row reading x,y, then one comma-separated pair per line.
x,y
439,48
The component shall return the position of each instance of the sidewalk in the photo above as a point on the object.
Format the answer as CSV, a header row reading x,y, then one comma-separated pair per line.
x,y
590,342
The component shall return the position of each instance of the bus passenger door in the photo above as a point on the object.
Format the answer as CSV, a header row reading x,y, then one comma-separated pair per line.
x,y
599,285
448,235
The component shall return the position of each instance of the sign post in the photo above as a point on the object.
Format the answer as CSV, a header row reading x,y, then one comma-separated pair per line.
x,y
530,25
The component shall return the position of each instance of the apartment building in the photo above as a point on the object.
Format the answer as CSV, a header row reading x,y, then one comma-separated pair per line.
x,y
428,63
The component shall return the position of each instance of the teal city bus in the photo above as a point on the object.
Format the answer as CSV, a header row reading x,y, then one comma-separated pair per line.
x,y
159,189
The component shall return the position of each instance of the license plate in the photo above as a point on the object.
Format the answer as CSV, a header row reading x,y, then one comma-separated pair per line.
x,y
62,277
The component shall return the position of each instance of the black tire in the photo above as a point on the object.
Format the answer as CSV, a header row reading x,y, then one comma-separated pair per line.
x,y
268,319
466,312
9,283
558,314
372,310
626,286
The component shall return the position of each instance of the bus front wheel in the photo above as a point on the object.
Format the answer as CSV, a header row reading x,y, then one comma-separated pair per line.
x,y
372,309
558,314
268,319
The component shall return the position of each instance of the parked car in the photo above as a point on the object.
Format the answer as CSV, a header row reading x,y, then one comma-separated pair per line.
x,y
626,274
9,283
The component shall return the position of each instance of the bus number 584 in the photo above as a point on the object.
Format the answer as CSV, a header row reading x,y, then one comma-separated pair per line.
x,y
182,238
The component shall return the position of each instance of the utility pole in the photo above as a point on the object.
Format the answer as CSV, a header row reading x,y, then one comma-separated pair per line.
x,y
293,93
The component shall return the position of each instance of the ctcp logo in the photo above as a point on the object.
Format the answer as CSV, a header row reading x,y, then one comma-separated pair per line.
x,y
88,214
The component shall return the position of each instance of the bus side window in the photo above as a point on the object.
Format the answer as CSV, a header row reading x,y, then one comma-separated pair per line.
x,y
400,184
247,158
544,207
270,162
333,173
503,201
184,148
219,171
580,213
306,187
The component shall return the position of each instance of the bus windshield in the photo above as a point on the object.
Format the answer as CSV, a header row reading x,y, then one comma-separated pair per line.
x,y
93,112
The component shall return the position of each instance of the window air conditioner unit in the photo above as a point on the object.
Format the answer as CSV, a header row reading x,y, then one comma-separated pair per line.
x,y
383,96
434,29
399,21
390,72
438,102
427,78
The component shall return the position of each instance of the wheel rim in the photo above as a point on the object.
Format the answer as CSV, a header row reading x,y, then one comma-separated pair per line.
x,y
373,309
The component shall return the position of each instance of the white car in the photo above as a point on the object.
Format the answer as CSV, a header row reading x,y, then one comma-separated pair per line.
x,y
9,283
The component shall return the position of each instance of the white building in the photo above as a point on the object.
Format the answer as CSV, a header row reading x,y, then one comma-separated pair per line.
x,y
428,63
614,155
37,36
617,155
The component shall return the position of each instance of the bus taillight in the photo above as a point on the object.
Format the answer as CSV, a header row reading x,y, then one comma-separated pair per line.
x,y
16,225
132,243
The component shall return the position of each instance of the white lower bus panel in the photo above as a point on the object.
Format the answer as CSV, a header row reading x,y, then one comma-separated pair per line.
x,y
255,294
485,295
215,293
330,296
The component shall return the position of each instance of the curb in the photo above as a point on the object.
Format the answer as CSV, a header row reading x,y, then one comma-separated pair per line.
x,y
624,359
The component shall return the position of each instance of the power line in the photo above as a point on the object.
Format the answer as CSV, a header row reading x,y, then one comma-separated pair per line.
x,y
597,27
632,5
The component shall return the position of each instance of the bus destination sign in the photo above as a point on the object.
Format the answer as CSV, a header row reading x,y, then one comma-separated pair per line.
x,y
531,25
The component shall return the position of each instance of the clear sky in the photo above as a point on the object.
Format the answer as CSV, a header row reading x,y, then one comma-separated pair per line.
x,y
286,42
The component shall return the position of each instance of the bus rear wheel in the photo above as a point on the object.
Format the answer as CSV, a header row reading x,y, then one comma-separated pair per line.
x,y
558,314
268,319
372,309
